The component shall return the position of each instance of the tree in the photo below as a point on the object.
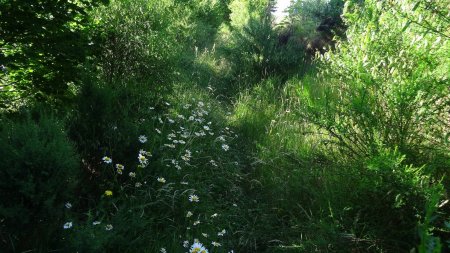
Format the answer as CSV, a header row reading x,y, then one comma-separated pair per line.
x,y
42,42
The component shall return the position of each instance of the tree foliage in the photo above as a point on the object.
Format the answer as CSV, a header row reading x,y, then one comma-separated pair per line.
x,y
42,43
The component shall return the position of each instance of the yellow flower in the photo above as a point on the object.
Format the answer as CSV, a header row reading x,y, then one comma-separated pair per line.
x,y
108,193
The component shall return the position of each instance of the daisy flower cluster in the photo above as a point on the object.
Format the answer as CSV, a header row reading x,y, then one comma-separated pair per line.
x,y
188,143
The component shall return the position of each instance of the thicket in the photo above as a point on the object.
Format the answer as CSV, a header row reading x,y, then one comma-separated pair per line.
x,y
39,170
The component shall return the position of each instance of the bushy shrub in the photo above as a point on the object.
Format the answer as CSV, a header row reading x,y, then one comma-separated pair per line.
x,y
389,200
250,44
139,41
43,44
39,171
380,85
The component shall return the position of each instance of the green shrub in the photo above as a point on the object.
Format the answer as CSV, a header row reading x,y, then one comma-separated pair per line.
x,y
38,173
251,46
139,41
43,45
380,85
390,199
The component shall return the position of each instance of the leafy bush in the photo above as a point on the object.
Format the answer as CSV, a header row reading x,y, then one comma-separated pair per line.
x,y
38,173
42,45
138,41
250,44
389,200
380,85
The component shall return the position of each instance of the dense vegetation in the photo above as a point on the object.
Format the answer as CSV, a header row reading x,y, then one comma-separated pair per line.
x,y
204,126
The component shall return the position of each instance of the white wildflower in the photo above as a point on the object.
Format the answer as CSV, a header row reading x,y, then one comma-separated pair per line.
x,y
197,247
142,159
142,139
107,160
194,198
67,225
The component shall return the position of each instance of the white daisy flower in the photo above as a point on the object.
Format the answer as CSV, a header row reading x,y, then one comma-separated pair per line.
x,y
214,215
197,247
161,180
68,205
107,160
142,159
108,227
186,244
132,174
194,198
225,147
95,223
196,222
163,250
67,225
142,139
189,214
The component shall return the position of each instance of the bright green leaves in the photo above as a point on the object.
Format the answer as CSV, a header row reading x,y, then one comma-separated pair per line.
x,y
386,62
